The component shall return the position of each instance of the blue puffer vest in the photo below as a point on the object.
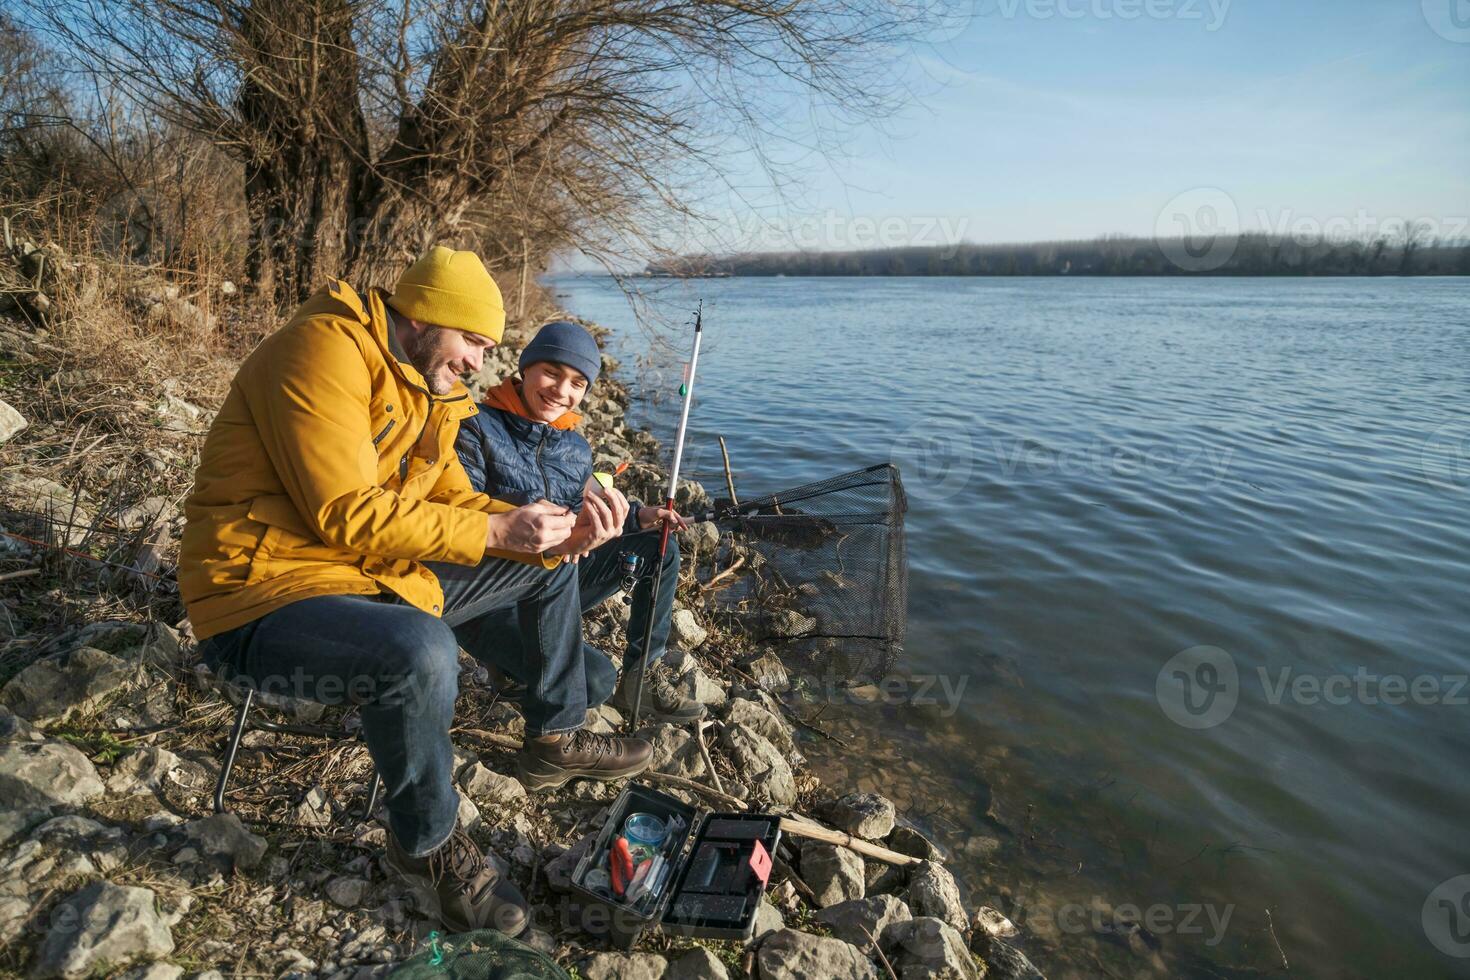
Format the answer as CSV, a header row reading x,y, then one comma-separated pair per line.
x,y
514,459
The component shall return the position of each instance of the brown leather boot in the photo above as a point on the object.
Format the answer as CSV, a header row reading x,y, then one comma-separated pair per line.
x,y
455,884
661,700
549,761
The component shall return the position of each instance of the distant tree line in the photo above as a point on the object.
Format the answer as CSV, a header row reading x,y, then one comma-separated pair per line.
x,y
1247,255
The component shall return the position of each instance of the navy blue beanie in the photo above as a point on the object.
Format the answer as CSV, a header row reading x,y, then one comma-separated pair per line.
x,y
566,343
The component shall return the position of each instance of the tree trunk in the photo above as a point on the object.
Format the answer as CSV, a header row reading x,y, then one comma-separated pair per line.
x,y
307,168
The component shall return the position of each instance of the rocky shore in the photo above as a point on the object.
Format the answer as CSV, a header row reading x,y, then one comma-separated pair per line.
x,y
112,861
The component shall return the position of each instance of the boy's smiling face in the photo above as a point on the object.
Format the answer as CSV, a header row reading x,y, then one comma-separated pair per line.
x,y
550,390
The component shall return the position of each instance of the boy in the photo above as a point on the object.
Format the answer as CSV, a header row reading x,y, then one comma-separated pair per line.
x,y
523,446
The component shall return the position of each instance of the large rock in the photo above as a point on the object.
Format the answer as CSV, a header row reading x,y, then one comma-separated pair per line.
x,y
223,835
907,840
993,923
761,765
696,685
675,751
46,498
685,631
559,869
14,728
834,873
102,926
41,774
862,921
624,966
1005,962
768,919
17,821
148,511
789,624
744,713
865,815
697,964
56,688
11,422
792,955
314,810
928,948
484,783
769,672
143,771
702,536
933,892
347,891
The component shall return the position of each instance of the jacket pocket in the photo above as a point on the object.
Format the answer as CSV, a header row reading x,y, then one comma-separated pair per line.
x,y
377,439
260,561
283,540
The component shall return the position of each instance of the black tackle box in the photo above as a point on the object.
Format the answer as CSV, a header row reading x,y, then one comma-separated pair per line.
x,y
719,866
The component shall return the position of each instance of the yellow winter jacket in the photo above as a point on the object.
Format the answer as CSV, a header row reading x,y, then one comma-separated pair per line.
x,y
330,470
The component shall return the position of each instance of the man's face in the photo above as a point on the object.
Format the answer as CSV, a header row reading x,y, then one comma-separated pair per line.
x,y
442,354
550,390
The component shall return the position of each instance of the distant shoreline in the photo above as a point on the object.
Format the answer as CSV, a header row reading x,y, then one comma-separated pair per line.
x,y
1252,255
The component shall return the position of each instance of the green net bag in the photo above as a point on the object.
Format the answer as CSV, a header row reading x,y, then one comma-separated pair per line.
x,y
480,955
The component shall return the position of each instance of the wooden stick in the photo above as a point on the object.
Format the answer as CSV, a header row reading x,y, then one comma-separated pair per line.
x,y
734,802
800,826
495,738
882,958
734,567
709,763
23,573
729,480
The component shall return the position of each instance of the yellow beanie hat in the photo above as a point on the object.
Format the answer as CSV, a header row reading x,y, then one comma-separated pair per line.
x,y
451,289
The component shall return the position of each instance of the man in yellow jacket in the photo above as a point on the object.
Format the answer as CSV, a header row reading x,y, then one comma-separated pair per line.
x,y
335,551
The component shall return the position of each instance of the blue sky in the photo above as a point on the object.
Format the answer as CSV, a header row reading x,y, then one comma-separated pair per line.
x,y
1083,123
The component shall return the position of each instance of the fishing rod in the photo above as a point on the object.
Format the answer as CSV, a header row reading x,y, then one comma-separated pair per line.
x,y
687,390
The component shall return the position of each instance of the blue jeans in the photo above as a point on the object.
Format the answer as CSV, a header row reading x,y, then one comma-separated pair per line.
x,y
400,665
599,575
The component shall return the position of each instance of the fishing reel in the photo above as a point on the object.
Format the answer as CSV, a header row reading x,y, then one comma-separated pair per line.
x,y
630,564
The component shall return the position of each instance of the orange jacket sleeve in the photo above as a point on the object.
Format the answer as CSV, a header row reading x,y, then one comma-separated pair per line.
x,y
311,411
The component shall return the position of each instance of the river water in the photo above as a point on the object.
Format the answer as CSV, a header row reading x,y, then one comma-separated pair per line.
x,y
1188,619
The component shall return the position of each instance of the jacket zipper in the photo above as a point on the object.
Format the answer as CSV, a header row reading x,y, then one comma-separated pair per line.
x,y
545,480
384,434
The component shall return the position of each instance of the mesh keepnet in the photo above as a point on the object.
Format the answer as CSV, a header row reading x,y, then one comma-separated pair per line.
x,y
825,576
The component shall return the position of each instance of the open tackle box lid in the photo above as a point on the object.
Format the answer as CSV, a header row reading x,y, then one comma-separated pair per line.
x,y
719,866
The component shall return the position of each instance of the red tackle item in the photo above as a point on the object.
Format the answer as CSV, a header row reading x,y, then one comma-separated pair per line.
x,y
760,862
620,866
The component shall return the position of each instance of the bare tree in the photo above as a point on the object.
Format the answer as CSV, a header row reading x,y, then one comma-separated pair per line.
x,y
368,128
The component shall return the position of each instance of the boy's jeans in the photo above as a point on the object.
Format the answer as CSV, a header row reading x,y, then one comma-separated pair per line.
x,y
599,575
400,665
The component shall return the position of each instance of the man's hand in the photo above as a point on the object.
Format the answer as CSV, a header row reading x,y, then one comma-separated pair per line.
x,y
649,516
533,529
601,520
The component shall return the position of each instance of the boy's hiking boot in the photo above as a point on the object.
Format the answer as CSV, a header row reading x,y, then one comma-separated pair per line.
x,y
507,688
661,699
549,761
456,885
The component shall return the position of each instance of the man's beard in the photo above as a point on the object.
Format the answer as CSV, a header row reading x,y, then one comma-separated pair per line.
x,y
425,352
